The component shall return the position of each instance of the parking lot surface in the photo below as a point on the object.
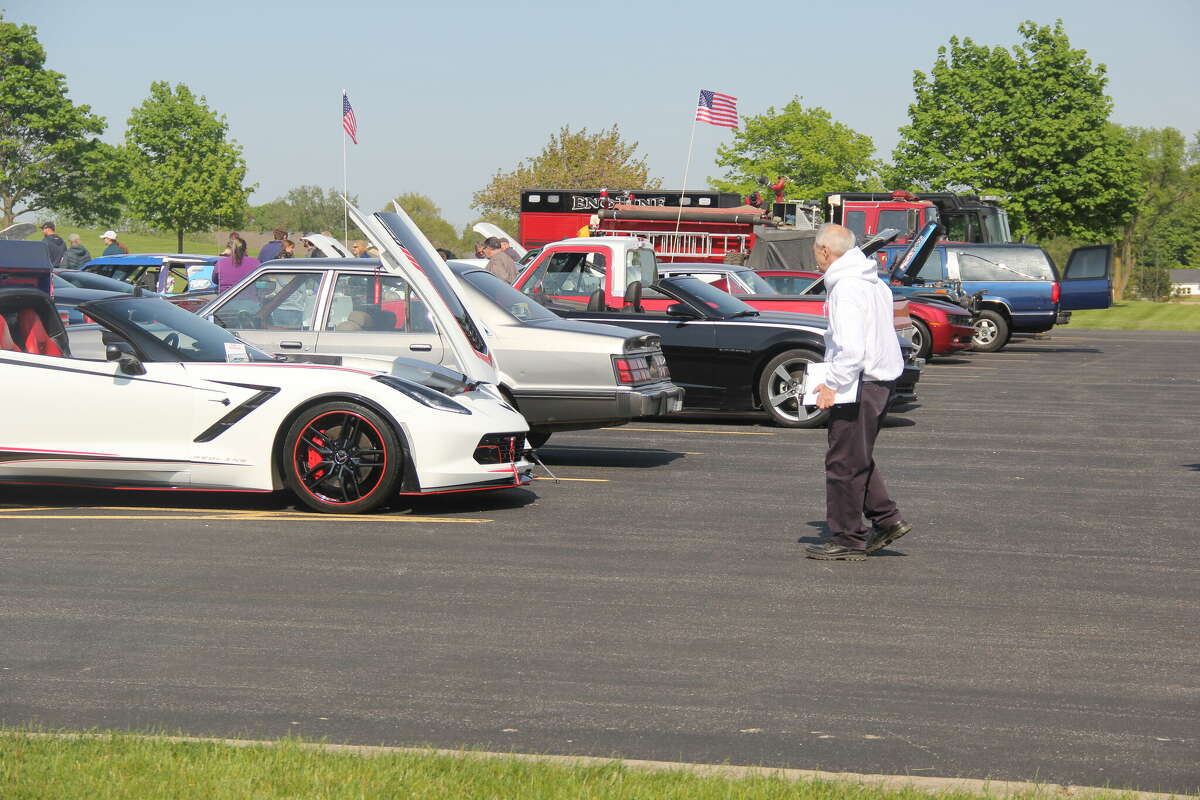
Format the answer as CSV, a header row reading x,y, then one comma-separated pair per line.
x,y
1039,623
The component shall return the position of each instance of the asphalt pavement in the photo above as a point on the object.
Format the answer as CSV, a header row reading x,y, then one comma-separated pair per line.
x,y
1040,623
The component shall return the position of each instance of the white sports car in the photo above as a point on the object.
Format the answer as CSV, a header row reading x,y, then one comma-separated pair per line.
x,y
180,403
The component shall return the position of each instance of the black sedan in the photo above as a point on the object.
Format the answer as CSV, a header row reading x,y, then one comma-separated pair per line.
x,y
730,357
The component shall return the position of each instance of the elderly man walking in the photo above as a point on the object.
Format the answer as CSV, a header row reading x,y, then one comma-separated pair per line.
x,y
861,346
499,263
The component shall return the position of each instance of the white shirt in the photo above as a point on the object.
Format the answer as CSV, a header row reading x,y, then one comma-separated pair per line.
x,y
861,340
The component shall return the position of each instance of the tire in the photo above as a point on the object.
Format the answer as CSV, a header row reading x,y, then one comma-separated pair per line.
x,y
922,340
780,379
991,332
537,438
342,458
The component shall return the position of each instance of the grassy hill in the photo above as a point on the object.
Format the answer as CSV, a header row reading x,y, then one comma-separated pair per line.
x,y
1140,315
201,244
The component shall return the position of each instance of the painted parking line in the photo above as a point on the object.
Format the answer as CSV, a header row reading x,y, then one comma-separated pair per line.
x,y
188,514
15,510
687,430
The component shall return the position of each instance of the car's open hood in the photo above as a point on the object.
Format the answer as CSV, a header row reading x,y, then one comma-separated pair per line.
x,y
486,229
914,257
404,250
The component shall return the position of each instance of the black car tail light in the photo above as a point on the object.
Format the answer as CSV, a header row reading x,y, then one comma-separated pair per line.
x,y
499,448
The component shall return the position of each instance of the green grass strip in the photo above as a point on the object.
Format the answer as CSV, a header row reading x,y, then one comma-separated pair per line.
x,y
1139,315
120,766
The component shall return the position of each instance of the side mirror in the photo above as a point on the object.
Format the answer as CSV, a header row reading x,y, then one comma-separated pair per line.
x,y
122,353
681,310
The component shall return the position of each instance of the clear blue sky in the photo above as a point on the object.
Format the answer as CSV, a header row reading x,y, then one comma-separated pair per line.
x,y
449,92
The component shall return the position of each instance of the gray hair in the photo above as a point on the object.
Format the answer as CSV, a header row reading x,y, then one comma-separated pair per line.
x,y
73,238
837,238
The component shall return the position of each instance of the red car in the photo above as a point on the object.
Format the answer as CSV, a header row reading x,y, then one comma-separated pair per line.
x,y
942,328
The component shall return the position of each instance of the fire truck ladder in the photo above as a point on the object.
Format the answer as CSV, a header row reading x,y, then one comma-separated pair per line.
x,y
675,244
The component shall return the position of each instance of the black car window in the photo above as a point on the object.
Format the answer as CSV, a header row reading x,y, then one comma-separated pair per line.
x,y
703,295
514,303
857,222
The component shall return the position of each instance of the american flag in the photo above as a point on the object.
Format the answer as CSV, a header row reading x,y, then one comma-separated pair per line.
x,y
349,123
717,109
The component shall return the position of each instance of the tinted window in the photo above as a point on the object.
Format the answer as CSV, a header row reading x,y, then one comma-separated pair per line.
x,y
857,222
1088,262
933,268
1004,264
714,299
283,301
901,219
502,294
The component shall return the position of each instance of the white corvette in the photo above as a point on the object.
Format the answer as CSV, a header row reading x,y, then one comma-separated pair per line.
x,y
180,403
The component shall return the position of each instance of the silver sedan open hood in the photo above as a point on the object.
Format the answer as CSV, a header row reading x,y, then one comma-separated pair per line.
x,y
404,250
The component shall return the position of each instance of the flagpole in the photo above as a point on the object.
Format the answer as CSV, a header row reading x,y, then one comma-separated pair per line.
x,y
345,184
686,168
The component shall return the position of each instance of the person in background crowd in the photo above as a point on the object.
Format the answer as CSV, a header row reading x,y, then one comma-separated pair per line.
x,y
499,262
288,250
77,255
593,223
272,248
234,236
359,249
445,254
860,347
232,268
111,247
54,243
479,250
507,247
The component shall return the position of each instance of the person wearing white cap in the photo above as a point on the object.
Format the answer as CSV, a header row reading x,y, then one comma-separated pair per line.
x,y
110,239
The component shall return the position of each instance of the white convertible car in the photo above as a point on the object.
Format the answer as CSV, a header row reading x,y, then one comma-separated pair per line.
x,y
180,403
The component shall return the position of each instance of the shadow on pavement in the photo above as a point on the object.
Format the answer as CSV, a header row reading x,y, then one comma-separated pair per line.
x,y
584,456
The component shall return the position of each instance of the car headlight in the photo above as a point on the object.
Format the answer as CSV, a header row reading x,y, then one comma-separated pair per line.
x,y
422,394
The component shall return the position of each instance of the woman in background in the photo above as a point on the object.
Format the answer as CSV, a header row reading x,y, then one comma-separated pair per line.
x,y
232,268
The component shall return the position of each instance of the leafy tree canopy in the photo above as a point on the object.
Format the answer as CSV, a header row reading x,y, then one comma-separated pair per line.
x,y
305,209
570,160
1031,123
804,145
50,156
185,175
428,217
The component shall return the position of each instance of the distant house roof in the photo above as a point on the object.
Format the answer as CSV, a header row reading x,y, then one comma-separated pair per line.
x,y
1184,275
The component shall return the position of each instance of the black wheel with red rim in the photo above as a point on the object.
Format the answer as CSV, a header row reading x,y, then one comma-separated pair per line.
x,y
342,458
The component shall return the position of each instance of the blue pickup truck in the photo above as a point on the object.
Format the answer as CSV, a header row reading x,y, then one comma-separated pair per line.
x,y
1022,289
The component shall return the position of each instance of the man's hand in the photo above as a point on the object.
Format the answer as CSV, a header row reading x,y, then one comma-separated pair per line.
x,y
825,396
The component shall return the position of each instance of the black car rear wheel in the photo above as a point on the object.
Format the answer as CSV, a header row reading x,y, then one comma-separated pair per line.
x,y
780,387
342,458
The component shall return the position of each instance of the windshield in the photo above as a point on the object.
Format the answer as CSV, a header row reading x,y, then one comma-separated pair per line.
x,y
703,295
500,292
1004,264
162,331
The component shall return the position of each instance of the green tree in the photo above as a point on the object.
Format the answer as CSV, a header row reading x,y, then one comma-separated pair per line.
x,y
428,217
804,145
50,156
185,175
570,160
1031,123
304,209
1164,224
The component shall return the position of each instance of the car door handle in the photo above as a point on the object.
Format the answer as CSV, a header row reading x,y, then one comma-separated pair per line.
x,y
291,345
420,348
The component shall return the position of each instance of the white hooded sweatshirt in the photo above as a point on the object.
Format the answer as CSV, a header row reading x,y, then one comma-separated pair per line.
x,y
861,339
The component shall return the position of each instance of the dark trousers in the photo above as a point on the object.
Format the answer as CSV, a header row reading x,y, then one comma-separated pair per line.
x,y
853,484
